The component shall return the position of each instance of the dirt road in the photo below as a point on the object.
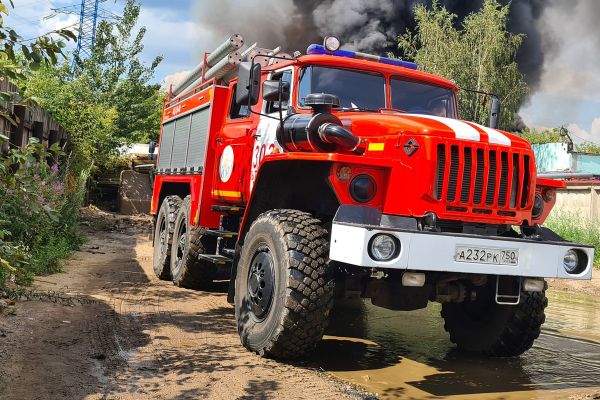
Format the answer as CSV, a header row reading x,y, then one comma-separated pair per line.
x,y
116,332
106,328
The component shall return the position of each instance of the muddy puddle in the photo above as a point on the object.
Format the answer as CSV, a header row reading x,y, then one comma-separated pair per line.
x,y
407,355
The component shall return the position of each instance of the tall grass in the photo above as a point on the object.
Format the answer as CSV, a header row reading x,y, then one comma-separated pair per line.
x,y
575,228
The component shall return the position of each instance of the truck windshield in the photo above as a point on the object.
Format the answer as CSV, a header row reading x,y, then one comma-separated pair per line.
x,y
355,89
422,98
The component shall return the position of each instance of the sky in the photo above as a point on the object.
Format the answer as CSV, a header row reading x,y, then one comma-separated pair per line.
x,y
181,30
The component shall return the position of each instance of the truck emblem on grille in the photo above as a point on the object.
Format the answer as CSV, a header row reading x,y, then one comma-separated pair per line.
x,y
410,147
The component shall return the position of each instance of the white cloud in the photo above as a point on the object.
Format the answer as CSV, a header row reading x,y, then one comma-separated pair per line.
x,y
174,79
167,34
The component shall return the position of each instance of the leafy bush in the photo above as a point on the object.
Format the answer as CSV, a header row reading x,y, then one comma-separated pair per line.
x,y
543,136
572,227
38,212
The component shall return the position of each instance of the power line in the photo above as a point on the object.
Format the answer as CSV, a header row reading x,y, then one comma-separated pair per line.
x,y
48,33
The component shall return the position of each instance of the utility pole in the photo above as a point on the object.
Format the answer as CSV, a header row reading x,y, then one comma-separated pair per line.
x,y
90,13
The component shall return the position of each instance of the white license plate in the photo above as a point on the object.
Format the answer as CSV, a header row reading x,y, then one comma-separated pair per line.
x,y
484,255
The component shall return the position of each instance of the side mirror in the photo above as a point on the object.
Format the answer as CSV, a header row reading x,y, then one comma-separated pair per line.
x,y
494,112
152,149
248,87
271,90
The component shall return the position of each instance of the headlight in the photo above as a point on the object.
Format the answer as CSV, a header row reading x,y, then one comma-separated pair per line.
x,y
363,188
575,261
384,247
538,206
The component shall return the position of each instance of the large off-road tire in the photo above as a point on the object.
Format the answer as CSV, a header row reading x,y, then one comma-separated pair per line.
x,y
283,290
188,242
482,326
163,236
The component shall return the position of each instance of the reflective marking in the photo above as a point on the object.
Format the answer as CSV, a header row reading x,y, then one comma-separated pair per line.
x,y
376,146
495,136
461,130
226,193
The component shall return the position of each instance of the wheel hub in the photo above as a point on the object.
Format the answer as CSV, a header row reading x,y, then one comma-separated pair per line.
x,y
163,237
181,246
261,283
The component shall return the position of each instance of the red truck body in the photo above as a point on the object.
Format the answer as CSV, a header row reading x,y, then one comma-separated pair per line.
x,y
399,206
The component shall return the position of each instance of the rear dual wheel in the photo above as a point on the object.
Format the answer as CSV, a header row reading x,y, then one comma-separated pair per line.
x,y
283,293
163,236
187,270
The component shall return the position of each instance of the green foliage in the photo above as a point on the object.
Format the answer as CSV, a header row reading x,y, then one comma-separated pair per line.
x,y
588,148
557,135
107,101
38,201
573,227
478,55
544,136
18,56
90,121
116,73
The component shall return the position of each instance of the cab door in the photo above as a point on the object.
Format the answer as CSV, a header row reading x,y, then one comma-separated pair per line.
x,y
233,152
265,140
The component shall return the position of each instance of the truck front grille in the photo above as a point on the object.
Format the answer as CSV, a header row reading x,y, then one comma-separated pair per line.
x,y
483,178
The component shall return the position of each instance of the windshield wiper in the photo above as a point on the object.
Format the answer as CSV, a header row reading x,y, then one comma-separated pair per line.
x,y
380,110
360,109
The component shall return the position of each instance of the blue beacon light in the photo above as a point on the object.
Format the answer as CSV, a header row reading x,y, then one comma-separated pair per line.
x,y
315,49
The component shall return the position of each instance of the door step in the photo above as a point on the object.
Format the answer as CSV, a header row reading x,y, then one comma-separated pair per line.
x,y
228,209
214,258
228,252
220,233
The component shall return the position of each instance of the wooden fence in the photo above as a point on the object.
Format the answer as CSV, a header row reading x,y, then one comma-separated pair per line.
x,y
32,121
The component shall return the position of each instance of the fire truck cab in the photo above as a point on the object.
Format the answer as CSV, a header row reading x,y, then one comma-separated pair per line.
x,y
333,174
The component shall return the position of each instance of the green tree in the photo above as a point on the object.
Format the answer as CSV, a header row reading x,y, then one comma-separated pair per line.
x,y
116,72
83,112
535,136
479,54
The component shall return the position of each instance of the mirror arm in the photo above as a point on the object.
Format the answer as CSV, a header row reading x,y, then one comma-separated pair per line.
x,y
279,106
294,61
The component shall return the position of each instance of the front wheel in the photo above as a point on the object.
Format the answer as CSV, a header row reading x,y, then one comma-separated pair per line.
x,y
480,325
283,291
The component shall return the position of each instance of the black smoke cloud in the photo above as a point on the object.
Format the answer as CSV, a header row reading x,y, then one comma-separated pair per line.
x,y
374,25
363,25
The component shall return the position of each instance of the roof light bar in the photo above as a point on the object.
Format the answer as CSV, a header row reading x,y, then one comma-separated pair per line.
x,y
319,49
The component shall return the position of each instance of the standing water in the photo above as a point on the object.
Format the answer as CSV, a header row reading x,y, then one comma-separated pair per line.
x,y
408,355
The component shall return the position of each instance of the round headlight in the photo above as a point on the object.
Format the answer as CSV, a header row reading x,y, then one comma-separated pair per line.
x,y
384,247
538,206
331,43
571,261
363,188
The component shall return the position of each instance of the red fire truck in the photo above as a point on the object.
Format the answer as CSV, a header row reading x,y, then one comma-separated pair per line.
x,y
310,177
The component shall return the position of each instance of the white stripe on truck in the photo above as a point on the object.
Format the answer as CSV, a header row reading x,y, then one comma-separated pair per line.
x,y
465,131
461,130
